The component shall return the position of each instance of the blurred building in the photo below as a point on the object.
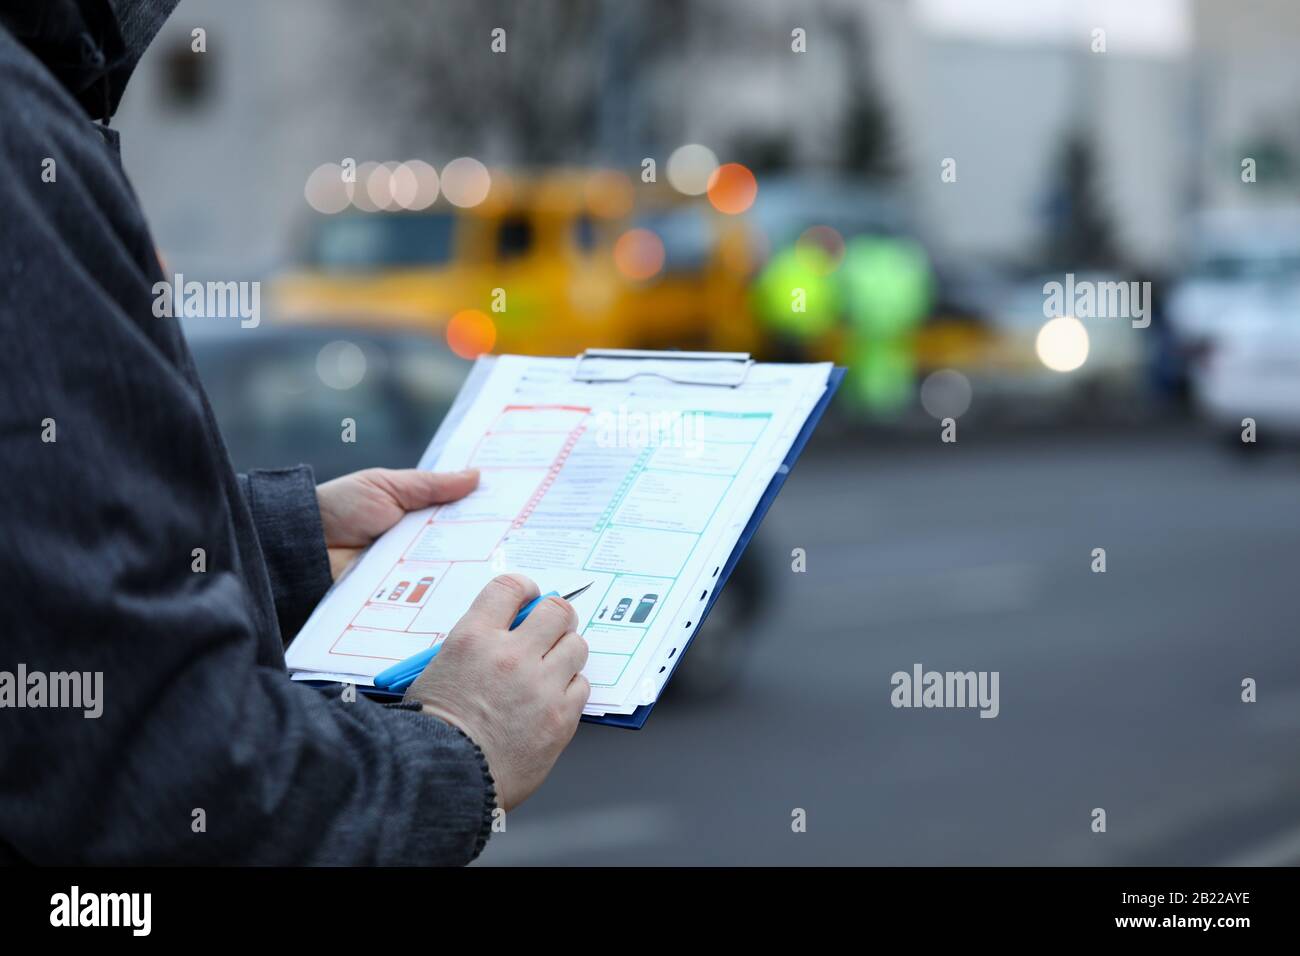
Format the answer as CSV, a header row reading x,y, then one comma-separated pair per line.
x,y
1247,87
1001,84
220,144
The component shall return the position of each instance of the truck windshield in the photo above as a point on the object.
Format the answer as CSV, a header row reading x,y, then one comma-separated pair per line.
x,y
377,241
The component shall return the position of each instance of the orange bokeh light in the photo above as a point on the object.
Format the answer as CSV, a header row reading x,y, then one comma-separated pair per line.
x,y
732,188
639,254
471,333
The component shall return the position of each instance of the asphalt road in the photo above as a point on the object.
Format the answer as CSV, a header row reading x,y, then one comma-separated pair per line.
x,y
1119,690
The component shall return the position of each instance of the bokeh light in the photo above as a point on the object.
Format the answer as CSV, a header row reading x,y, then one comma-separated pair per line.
x,y
946,393
380,187
820,247
471,333
466,182
341,365
425,179
639,254
1062,344
403,185
325,189
732,188
361,197
689,168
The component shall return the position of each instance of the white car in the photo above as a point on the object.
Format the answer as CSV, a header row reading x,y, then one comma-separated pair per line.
x,y
1236,314
1249,366
1231,254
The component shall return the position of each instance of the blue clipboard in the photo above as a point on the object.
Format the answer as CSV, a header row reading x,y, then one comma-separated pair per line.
x,y
636,720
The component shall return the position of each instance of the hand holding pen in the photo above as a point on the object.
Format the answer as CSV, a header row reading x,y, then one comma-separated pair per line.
x,y
402,674
516,692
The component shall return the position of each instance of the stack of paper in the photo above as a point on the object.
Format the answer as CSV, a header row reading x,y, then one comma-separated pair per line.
x,y
640,481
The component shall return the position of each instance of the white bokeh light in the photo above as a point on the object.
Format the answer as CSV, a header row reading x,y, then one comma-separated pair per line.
x,y
415,185
689,168
1062,344
380,186
325,190
465,182
341,365
946,393
361,194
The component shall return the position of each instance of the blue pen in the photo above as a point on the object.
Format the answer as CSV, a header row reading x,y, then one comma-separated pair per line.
x,y
402,674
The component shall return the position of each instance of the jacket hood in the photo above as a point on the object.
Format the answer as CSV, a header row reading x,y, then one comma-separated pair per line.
x,y
91,46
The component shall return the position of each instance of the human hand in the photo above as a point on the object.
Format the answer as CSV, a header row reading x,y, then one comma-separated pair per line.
x,y
357,508
517,694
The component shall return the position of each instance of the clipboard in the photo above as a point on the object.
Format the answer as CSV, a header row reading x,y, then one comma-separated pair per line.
x,y
721,369
636,720
712,369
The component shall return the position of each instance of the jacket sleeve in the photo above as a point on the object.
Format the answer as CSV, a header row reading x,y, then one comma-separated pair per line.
x,y
186,741
286,516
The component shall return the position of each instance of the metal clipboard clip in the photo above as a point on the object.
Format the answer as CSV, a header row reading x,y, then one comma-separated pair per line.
x,y
726,369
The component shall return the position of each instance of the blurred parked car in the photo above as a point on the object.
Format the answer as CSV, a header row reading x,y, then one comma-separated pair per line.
x,y
1038,366
1232,255
1250,367
281,393
1233,313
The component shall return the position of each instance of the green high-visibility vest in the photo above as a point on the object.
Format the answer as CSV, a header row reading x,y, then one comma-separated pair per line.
x,y
797,294
886,285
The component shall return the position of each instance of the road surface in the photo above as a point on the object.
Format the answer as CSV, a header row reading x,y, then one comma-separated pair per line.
x,y
1119,690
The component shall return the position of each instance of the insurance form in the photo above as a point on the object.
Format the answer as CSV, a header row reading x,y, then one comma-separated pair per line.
x,y
640,482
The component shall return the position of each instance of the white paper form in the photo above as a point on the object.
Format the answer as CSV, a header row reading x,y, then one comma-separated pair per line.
x,y
636,486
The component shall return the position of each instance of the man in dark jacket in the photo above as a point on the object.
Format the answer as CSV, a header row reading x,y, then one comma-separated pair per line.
x,y
113,474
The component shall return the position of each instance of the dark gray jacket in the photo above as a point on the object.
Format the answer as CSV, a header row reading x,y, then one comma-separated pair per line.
x,y
200,724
